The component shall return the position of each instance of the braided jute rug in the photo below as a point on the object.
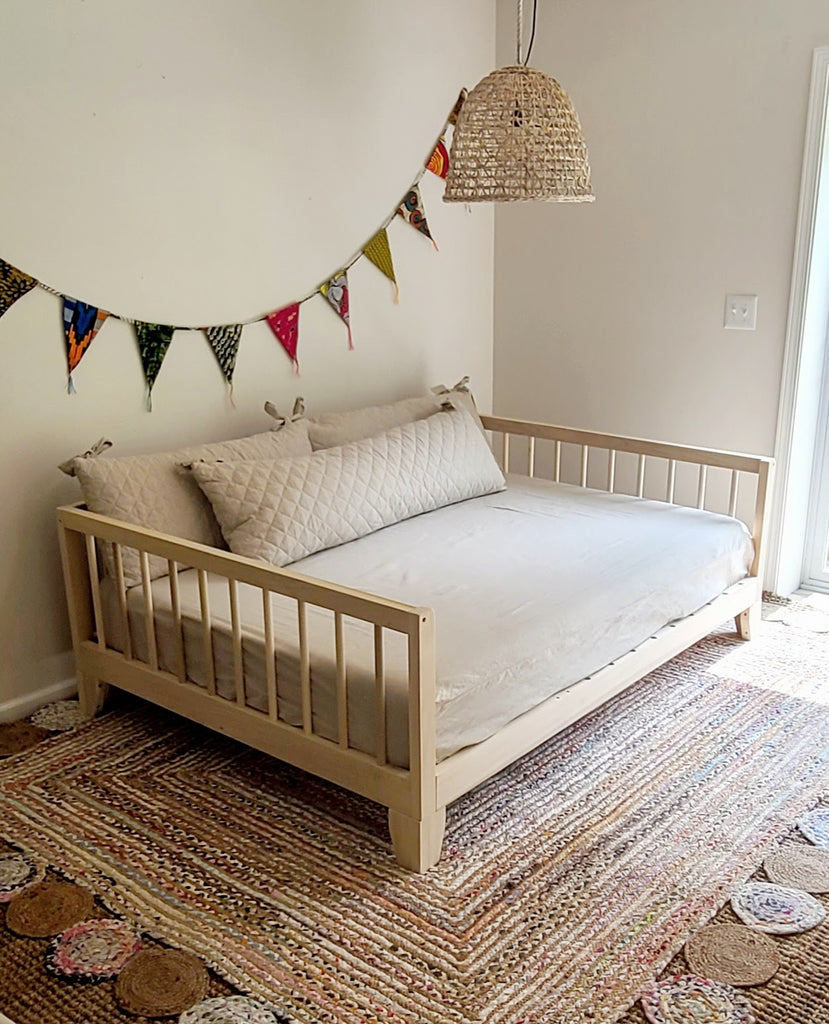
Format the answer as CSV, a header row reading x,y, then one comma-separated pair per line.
x,y
567,884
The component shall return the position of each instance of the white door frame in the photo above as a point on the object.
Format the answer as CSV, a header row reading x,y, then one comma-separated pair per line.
x,y
805,349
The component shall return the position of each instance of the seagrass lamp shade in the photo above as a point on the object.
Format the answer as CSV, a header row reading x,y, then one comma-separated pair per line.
x,y
518,138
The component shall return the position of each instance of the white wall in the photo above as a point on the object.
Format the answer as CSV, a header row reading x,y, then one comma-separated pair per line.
x,y
609,316
199,162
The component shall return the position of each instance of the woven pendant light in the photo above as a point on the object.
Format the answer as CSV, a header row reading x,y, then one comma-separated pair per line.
x,y
518,138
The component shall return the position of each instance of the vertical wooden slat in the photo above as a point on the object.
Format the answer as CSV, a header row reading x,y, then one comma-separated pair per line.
x,y
732,496
304,667
380,694
557,463
207,631
585,455
120,583
611,470
505,452
149,614
175,601
236,629
531,457
270,657
342,682
640,477
671,491
95,583
701,486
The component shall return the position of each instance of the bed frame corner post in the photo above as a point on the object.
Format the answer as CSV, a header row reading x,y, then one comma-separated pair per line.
x,y
748,621
91,691
417,834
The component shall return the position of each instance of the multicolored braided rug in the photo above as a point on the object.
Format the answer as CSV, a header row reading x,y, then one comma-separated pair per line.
x,y
567,883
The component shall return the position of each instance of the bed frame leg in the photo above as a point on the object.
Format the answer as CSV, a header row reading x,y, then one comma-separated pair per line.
x,y
748,621
417,843
92,694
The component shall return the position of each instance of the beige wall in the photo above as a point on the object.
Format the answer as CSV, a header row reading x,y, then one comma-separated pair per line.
x,y
610,316
205,162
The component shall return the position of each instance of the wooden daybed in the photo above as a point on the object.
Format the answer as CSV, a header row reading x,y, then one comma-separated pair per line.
x,y
106,618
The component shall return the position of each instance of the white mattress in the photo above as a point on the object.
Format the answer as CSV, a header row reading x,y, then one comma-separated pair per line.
x,y
533,589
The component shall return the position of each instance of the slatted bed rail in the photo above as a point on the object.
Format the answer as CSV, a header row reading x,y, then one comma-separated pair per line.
x,y
86,539
597,465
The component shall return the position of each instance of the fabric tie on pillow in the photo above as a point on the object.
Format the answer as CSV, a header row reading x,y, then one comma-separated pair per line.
x,y
100,446
297,413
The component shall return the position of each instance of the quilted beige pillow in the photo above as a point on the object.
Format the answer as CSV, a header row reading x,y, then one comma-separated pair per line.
x,y
156,492
331,429
283,510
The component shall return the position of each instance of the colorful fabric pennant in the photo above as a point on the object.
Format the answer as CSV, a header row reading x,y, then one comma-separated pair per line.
x,y
379,253
439,160
14,284
336,291
225,344
285,325
153,342
453,117
81,322
411,210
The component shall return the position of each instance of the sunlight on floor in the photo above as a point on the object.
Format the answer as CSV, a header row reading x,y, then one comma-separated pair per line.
x,y
793,670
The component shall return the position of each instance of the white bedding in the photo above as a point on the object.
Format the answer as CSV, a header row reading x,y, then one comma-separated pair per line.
x,y
533,589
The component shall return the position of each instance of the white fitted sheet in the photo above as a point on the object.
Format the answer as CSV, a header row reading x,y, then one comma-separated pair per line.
x,y
533,589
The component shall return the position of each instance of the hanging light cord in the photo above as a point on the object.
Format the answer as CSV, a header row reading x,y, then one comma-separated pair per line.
x,y
522,60
532,34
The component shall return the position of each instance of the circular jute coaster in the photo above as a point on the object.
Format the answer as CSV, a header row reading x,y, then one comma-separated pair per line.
x,y
161,983
232,1010
776,909
688,999
17,736
801,867
17,871
93,950
733,954
59,716
48,908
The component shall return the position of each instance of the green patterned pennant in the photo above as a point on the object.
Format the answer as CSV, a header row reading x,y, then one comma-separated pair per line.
x,y
14,284
379,253
153,342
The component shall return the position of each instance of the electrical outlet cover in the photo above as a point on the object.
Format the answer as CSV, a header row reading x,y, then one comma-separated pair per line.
x,y
740,312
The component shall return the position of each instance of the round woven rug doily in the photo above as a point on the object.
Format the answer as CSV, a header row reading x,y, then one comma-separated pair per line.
x,y
59,716
93,950
47,908
161,983
17,736
17,871
732,954
800,867
815,826
776,909
232,1010
688,999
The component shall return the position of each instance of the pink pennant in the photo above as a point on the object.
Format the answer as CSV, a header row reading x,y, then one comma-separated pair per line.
x,y
285,325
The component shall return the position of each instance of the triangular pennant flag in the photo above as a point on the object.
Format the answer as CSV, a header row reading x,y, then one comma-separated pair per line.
x,y
459,102
225,344
14,284
285,325
379,253
153,342
336,291
438,162
81,322
411,210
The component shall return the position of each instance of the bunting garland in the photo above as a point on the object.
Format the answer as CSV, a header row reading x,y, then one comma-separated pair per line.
x,y
336,291
82,321
285,325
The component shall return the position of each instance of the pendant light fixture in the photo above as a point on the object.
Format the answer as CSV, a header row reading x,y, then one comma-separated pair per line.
x,y
518,138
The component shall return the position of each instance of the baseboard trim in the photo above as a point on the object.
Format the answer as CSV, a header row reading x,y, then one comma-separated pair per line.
x,y
20,707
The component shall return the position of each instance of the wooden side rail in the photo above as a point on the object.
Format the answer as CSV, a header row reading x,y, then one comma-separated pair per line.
x,y
409,793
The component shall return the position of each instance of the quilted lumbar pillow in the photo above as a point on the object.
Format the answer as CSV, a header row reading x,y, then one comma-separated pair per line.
x,y
155,492
332,429
284,510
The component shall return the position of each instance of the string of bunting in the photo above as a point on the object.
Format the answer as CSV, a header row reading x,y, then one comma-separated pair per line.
x,y
82,321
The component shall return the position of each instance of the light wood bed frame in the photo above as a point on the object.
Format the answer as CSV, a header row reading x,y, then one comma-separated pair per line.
x,y
416,797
